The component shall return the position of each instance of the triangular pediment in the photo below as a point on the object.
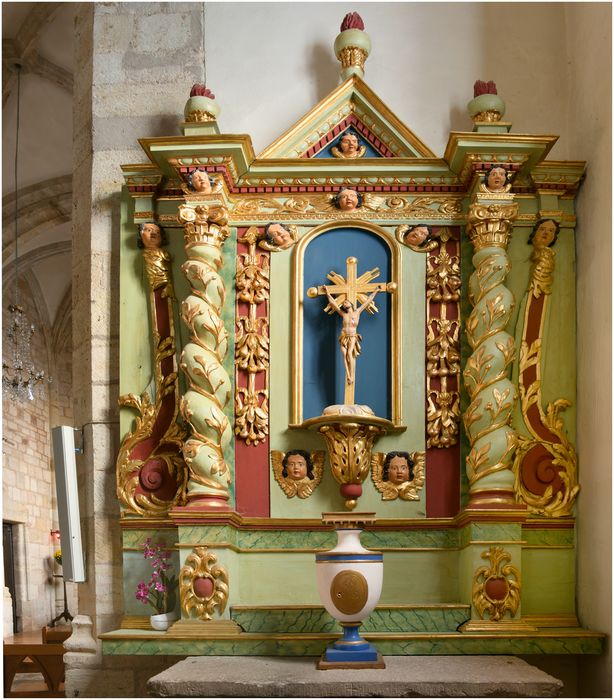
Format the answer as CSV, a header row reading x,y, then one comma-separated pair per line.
x,y
352,107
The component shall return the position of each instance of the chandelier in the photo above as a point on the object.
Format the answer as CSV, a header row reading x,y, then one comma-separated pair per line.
x,y
20,378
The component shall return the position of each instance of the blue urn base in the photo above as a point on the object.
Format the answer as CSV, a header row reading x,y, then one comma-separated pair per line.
x,y
351,651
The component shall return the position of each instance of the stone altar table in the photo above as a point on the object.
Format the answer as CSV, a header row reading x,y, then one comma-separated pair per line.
x,y
404,676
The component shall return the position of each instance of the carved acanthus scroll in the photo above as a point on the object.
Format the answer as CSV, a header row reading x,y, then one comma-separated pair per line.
x,y
151,473
545,466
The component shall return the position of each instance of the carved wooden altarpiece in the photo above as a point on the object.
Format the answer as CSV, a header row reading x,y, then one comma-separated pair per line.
x,y
230,360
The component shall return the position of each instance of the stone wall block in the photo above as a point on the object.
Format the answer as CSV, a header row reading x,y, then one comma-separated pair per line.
x,y
114,32
177,32
92,684
142,99
108,68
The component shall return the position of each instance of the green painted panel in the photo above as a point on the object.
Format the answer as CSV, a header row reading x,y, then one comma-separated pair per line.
x,y
548,536
490,532
420,577
548,581
277,579
382,619
415,645
445,539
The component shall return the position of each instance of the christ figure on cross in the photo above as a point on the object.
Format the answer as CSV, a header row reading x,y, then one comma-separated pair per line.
x,y
348,297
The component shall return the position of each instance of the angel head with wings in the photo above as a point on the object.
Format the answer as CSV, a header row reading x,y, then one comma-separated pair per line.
x,y
298,472
278,236
418,237
398,474
347,199
398,468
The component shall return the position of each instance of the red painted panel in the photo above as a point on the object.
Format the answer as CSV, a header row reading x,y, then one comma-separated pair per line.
x,y
252,479
443,482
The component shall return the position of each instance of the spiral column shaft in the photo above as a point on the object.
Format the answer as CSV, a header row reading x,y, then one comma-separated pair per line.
x,y
209,386
486,375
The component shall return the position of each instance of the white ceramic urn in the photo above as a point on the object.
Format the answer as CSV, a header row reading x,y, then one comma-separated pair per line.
x,y
350,584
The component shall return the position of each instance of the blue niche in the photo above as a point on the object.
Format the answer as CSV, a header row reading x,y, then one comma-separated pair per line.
x,y
370,151
323,370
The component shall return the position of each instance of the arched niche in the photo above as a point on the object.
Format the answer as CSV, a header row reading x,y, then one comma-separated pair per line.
x,y
317,364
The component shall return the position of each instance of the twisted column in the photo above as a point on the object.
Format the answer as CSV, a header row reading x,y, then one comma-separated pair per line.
x,y
488,416
209,386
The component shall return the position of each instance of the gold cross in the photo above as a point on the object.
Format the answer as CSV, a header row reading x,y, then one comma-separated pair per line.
x,y
353,288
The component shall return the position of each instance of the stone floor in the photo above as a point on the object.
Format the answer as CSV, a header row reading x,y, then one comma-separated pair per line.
x,y
404,676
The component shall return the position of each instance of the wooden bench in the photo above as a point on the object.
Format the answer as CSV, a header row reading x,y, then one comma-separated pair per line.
x,y
29,653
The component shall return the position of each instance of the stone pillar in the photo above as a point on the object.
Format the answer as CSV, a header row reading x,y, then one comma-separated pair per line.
x,y
134,66
486,374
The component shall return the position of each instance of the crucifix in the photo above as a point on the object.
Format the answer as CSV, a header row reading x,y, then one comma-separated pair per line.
x,y
349,297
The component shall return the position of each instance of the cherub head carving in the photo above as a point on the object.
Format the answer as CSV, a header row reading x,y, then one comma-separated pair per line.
x,y
297,472
150,235
418,235
347,199
398,474
496,179
278,235
348,146
398,468
297,465
544,234
199,181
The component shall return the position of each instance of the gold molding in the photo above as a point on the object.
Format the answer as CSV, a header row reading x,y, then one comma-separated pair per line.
x,y
203,629
298,295
263,207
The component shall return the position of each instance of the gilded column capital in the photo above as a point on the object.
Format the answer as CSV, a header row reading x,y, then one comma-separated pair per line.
x,y
204,223
489,220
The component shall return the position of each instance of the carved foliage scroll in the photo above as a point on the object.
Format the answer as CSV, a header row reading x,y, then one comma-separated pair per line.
x,y
203,585
252,342
496,588
443,341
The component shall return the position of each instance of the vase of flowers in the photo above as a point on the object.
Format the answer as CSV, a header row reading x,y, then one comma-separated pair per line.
x,y
160,590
